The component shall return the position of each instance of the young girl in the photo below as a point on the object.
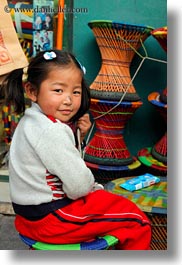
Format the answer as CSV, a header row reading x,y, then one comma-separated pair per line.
x,y
54,195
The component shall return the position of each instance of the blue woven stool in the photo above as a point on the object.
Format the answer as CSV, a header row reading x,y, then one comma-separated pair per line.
x,y
101,243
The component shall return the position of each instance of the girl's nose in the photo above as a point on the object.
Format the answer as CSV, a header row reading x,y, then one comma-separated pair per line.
x,y
67,100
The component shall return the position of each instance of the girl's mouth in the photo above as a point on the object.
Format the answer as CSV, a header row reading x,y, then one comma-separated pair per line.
x,y
66,111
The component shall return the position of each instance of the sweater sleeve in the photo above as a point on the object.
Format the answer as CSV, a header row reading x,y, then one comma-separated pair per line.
x,y
57,151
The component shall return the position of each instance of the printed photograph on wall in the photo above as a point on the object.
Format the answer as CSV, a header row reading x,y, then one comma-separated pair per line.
x,y
43,25
42,41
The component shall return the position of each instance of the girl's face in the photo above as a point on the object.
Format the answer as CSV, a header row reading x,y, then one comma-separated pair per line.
x,y
60,94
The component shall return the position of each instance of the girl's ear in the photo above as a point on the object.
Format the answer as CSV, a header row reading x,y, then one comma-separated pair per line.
x,y
30,91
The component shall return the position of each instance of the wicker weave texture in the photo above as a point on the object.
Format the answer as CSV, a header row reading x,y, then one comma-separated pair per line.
x,y
159,151
159,231
117,43
160,34
107,147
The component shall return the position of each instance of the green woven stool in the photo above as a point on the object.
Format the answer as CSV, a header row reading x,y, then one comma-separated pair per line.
x,y
101,243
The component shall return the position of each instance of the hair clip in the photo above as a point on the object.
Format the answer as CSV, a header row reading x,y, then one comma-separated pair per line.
x,y
25,75
49,55
82,67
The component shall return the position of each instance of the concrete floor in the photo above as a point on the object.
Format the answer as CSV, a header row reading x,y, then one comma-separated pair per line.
x,y
9,239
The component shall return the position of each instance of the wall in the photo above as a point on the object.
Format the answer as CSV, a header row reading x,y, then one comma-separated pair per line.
x,y
146,126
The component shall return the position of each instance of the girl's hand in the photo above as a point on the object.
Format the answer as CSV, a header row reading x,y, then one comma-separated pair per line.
x,y
84,124
98,186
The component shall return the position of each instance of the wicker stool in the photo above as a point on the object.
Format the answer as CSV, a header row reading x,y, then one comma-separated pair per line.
x,y
101,243
159,151
108,147
113,96
103,173
155,158
117,42
160,34
107,150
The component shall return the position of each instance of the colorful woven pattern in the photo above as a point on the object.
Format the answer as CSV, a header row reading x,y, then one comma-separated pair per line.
x,y
161,107
154,98
101,243
27,47
146,158
10,120
159,151
103,173
117,43
153,201
108,147
160,34
163,95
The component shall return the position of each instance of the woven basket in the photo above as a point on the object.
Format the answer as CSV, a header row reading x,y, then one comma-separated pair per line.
x,y
103,174
163,95
117,43
160,34
159,150
107,147
153,165
10,121
159,231
154,99
27,47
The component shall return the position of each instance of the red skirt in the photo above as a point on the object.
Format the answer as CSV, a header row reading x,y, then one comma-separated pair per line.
x,y
97,214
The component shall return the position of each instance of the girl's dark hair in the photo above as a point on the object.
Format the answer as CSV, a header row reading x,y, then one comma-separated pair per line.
x,y
37,72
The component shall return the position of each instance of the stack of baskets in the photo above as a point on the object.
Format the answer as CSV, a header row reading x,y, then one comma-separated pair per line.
x,y
113,98
155,158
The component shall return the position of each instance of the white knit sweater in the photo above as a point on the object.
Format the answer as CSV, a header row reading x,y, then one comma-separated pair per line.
x,y
38,145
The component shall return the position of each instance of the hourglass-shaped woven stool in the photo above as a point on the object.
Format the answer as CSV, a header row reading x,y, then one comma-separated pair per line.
x,y
106,154
156,157
113,97
117,43
108,147
159,150
160,34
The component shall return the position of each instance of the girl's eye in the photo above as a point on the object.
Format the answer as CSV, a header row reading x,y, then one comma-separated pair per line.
x,y
58,90
77,92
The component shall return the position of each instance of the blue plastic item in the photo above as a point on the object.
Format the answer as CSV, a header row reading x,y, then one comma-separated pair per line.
x,y
140,182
